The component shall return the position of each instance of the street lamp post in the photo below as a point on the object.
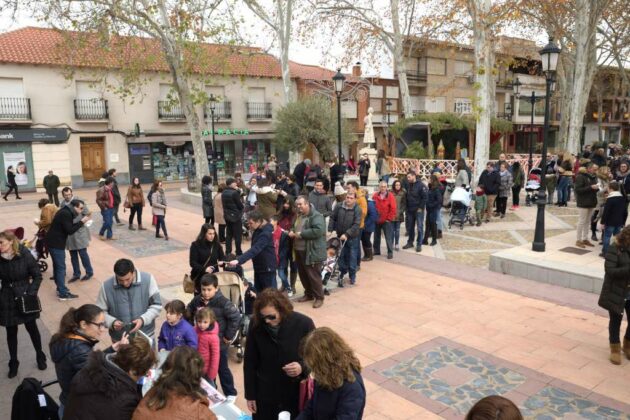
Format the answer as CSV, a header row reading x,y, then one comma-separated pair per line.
x,y
549,55
213,103
533,99
388,108
339,80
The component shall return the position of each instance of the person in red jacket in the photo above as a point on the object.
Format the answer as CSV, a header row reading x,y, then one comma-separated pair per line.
x,y
386,208
208,346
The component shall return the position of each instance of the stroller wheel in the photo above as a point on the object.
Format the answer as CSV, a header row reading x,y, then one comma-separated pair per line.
x,y
43,265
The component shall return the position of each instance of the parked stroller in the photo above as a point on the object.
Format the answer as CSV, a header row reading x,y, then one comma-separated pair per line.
x,y
231,286
40,251
460,212
532,186
330,271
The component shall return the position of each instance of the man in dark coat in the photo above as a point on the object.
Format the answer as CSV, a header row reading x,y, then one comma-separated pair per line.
x,y
112,172
586,187
491,181
300,172
262,252
51,185
416,201
62,226
233,214
345,221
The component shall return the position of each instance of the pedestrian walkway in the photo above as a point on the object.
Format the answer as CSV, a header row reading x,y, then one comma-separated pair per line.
x,y
432,337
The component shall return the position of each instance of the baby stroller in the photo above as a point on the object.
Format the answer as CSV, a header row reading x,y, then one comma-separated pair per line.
x,y
460,207
231,286
330,271
41,250
532,186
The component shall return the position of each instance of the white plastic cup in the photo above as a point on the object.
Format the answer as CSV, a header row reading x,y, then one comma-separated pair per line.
x,y
284,415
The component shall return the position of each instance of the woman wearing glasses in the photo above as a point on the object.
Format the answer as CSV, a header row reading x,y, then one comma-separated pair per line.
x,y
273,367
79,331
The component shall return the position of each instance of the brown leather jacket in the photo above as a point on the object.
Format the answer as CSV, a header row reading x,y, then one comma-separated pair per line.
x,y
102,198
177,406
135,196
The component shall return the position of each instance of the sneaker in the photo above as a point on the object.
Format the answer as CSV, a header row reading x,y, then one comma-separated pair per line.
x,y
396,247
587,243
594,237
580,244
68,296
418,249
231,399
290,293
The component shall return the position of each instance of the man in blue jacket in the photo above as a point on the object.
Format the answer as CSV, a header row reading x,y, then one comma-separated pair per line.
x,y
416,203
262,253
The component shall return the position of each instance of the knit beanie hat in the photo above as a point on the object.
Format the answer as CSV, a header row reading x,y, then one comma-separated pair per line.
x,y
339,189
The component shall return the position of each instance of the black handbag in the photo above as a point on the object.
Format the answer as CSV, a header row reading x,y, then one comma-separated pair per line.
x,y
28,304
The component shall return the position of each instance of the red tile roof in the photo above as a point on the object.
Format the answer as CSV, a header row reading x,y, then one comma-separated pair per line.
x,y
45,46
310,72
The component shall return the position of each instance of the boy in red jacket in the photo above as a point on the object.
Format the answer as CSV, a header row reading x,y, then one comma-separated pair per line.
x,y
386,208
208,346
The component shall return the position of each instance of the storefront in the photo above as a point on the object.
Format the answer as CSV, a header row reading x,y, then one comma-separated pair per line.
x,y
27,149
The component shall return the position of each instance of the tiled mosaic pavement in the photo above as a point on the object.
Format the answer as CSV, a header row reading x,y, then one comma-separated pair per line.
x,y
447,378
137,243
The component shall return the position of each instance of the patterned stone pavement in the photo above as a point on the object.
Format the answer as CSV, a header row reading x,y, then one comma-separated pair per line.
x,y
453,331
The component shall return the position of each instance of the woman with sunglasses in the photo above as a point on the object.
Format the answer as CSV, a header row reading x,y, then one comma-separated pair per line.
x,y
79,331
273,367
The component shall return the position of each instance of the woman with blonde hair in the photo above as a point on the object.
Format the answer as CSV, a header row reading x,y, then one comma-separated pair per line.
x,y
339,391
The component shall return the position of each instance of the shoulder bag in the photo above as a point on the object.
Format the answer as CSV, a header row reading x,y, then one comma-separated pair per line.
x,y
27,304
188,282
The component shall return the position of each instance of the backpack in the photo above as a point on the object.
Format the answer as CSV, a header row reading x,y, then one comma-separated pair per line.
x,y
31,402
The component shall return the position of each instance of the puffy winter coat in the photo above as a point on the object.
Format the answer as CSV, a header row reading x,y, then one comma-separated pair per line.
x,y
206,201
372,217
345,220
226,314
615,210
209,347
101,391
386,207
616,278
345,403
262,252
401,205
18,276
70,354
232,205
180,334
416,196
585,196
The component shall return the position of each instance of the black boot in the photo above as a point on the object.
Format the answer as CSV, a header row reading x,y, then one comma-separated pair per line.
x,y
368,254
41,360
293,277
434,234
13,368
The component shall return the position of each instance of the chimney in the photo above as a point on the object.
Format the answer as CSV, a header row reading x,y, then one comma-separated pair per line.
x,y
356,69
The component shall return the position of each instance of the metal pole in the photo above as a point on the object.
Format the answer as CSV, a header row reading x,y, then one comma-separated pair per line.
x,y
339,128
389,139
214,151
531,133
539,234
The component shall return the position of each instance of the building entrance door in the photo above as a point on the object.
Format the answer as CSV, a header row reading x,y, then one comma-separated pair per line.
x,y
92,158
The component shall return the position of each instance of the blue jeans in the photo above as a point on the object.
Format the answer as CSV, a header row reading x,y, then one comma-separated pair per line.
x,y
348,259
108,221
396,228
609,232
85,259
225,375
160,223
283,272
415,220
386,228
563,189
58,257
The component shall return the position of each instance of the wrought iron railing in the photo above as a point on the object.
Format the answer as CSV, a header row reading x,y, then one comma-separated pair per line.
x,y
91,109
15,109
167,110
416,76
424,167
222,111
259,110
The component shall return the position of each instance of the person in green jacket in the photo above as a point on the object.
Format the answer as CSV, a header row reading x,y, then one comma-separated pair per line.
x,y
309,247
481,203
51,185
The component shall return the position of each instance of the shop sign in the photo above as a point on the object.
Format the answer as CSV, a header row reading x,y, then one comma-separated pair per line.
x,y
226,132
34,135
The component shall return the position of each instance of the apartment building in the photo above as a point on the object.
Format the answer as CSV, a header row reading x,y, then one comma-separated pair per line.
x,y
608,110
79,128
441,77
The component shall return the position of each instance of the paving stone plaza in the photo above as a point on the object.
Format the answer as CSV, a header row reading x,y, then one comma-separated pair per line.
x,y
434,332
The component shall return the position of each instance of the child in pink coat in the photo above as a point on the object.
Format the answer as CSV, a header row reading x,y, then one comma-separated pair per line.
x,y
207,330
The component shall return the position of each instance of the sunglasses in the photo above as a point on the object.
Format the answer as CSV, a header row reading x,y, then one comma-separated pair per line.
x,y
99,324
268,317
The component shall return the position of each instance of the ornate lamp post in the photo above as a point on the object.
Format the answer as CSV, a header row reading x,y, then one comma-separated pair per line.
x,y
549,55
339,81
388,108
213,103
532,99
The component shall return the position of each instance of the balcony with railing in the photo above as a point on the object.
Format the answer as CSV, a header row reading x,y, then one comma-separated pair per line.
x,y
169,111
222,111
415,76
259,111
91,109
15,109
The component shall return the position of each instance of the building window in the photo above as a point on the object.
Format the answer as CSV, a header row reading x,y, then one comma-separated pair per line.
x,y
463,106
525,108
436,66
349,109
436,104
377,105
463,68
376,91
418,104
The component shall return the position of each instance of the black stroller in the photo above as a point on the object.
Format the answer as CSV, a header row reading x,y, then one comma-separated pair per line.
x,y
330,271
460,212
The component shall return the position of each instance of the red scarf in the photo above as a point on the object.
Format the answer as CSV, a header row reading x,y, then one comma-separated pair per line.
x,y
277,233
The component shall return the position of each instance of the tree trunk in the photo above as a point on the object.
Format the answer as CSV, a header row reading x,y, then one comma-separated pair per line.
x,y
399,60
583,70
565,79
484,63
600,110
